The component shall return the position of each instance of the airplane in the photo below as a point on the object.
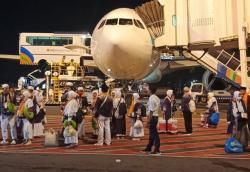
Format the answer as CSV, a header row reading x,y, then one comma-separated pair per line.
x,y
122,48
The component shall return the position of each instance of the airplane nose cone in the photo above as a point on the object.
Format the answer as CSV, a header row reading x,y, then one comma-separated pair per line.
x,y
123,54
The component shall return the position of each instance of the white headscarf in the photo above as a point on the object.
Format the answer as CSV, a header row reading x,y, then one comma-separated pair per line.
x,y
71,95
236,95
72,106
170,93
118,98
136,96
211,100
210,95
239,107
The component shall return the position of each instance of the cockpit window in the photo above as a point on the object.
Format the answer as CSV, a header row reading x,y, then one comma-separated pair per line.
x,y
125,22
140,24
102,24
136,24
112,22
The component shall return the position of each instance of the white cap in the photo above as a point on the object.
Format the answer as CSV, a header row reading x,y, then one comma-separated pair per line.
x,y
30,88
70,84
80,89
5,86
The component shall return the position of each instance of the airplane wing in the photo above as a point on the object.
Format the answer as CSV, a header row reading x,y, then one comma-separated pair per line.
x,y
9,57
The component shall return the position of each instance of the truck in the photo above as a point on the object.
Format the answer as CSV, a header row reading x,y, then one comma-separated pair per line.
x,y
199,93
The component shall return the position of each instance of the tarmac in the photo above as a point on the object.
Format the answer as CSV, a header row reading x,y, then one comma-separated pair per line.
x,y
202,151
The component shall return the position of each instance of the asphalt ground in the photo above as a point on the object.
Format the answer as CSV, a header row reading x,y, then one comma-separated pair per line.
x,y
202,151
116,163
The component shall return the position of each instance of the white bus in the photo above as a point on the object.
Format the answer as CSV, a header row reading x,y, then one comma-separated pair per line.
x,y
51,47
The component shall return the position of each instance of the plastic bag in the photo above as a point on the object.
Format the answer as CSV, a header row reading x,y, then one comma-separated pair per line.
x,y
138,124
29,115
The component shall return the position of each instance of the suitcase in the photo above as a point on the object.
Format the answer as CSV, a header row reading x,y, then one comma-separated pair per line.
x,y
172,126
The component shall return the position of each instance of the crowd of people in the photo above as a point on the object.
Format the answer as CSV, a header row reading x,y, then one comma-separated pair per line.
x,y
109,113
25,121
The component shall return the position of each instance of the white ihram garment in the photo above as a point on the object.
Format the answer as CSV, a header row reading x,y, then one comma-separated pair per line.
x,y
70,110
27,126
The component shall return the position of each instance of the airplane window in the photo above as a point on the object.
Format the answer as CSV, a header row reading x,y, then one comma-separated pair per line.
x,y
140,24
125,22
102,24
112,22
136,24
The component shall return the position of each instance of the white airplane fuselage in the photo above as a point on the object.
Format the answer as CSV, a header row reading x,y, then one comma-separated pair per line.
x,y
121,48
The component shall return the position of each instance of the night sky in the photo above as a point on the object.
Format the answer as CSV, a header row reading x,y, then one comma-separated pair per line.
x,y
48,16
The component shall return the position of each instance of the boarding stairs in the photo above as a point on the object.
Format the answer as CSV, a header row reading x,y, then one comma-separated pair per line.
x,y
220,62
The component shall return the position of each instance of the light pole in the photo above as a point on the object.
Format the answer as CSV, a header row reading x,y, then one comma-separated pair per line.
x,y
242,31
47,74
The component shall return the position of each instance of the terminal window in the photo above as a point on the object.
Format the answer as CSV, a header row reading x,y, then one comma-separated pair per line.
x,y
125,22
48,41
112,22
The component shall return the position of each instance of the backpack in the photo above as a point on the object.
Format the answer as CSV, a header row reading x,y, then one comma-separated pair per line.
x,y
232,145
192,106
142,110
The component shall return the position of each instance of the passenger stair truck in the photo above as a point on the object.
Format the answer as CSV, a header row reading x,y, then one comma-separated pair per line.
x,y
221,63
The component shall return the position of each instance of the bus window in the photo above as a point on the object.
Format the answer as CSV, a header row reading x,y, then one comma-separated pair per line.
x,y
112,22
48,41
125,22
140,24
136,24
102,24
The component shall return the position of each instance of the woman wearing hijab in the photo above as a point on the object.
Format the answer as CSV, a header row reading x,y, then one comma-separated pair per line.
x,y
94,120
137,110
167,107
40,116
119,114
212,107
240,116
70,127
26,114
